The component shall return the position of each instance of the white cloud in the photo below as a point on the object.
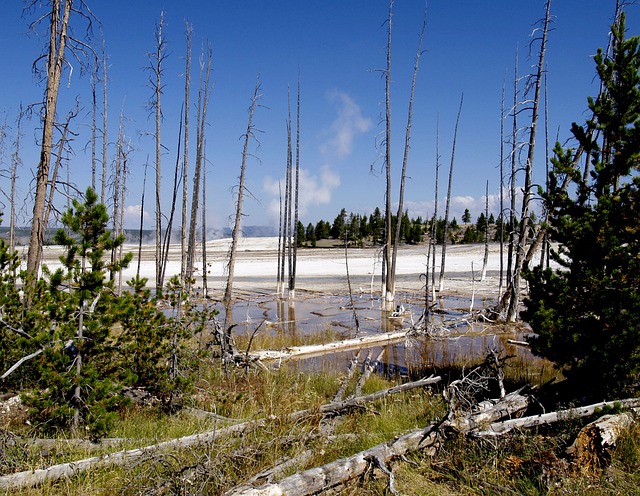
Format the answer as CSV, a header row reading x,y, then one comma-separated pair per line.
x,y
344,129
317,185
314,190
132,216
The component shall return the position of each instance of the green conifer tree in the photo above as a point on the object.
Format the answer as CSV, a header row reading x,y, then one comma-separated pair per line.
x,y
587,313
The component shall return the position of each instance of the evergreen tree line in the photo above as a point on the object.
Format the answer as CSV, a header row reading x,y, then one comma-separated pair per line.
x,y
361,229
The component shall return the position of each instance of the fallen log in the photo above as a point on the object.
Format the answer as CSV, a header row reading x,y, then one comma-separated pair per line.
x,y
36,477
337,472
500,428
591,450
321,349
336,407
29,478
340,471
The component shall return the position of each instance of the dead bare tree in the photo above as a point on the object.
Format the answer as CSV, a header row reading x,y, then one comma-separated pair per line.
x,y
103,194
204,93
512,179
386,258
292,277
126,150
15,164
446,210
60,40
144,184
434,224
185,160
280,270
176,183
94,124
527,194
248,136
156,68
485,259
62,150
205,288
391,274
287,195
115,218
501,217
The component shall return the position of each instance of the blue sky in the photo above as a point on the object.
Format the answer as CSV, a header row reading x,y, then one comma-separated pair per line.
x,y
339,48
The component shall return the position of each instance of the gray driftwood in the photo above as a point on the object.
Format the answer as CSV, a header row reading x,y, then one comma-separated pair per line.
x,y
341,471
36,477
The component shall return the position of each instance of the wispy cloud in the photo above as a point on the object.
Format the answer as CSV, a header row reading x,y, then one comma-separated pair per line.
x,y
132,216
348,124
317,186
315,189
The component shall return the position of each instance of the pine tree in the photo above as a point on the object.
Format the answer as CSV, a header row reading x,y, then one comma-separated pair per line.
x,y
587,313
466,216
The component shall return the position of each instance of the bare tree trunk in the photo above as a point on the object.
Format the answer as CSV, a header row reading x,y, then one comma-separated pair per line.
x,y
59,23
292,285
144,184
525,224
281,249
236,227
174,198
123,194
201,118
501,217
287,195
546,251
94,124
185,160
56,167
434,225
391,276
116,191
386,262
15,162
446,211
485,259
103,194
157,69
512,190
205,288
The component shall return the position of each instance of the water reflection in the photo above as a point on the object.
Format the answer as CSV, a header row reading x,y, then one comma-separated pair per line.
x,y
454,340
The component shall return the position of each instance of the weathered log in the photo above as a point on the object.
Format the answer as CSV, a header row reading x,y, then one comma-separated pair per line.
x,y
345,383
499,428
591,451
490,411
340,471
367,369
36,477
341,406
321,349
337,472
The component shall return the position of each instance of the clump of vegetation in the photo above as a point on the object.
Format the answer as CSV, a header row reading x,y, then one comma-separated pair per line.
x,y
74,344
587,313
